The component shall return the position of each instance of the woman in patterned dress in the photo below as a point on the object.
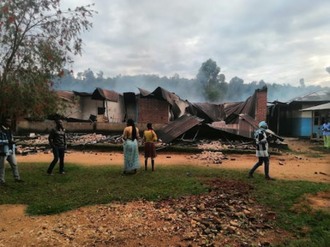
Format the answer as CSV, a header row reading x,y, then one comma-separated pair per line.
x,y
131,149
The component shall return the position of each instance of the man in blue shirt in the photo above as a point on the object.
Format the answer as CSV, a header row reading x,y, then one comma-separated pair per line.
x,y
8,152
326,133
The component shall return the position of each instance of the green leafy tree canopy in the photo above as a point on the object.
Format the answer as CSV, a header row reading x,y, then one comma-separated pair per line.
x,y
37,41
212,82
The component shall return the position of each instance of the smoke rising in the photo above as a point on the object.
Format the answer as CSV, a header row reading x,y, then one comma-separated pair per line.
x,y
186,89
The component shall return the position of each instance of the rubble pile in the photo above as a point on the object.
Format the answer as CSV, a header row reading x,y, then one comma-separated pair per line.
x,y
214,157
214,145
92,139
76,139
35,140
226,216
226,211
218,145
30,149
39,143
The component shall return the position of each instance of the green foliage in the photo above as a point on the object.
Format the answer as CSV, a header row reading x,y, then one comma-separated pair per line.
x,y
37,41
212,92
208,76
208,73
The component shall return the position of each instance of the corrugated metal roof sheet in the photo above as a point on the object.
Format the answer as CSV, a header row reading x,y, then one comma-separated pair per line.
x,y
233,110
318,107
228,112
320,95
177,127
208,111
255,124
214,133
160,93
251,121
66,95
82,94
144,92
103,94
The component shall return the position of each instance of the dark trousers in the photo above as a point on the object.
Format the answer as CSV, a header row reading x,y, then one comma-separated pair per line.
x,y
58,154
259,163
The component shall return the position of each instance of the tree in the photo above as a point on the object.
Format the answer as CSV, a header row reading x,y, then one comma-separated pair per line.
x,y
208,76
235,89
208,73
37,41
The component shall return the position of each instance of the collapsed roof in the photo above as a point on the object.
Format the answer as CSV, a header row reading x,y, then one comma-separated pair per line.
x,y
188,128
66,95
209,112
103,94
189,117
197,119
177,127
177,105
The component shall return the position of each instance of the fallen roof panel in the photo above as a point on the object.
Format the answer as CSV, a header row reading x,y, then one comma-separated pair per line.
x,y
217,133
177,127
208,111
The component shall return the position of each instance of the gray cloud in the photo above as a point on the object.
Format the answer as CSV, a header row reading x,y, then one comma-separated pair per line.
x,y
276,41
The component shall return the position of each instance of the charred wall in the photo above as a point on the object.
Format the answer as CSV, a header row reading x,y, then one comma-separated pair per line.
x,y
151,110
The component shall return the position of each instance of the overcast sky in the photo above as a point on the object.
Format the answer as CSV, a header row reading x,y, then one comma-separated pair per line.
x,y
278,41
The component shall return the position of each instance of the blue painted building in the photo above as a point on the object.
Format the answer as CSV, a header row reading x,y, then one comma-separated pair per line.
x,y
290,119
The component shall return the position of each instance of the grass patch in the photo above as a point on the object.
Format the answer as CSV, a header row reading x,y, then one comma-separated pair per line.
x,y
281,195
83,186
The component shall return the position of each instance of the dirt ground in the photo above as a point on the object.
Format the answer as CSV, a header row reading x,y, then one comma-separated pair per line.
x,y
144,223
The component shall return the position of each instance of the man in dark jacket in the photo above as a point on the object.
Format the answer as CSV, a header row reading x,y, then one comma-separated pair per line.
x,y
8,153
57,141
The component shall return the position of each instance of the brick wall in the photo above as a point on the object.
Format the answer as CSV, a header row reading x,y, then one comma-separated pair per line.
x,y
245,129
153,111
261,104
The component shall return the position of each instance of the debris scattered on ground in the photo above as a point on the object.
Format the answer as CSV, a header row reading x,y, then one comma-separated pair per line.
x,y
34,143
225,216
213,157
217,145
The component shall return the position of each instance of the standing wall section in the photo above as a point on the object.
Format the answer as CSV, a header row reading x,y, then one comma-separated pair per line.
x,y
261,105
152,110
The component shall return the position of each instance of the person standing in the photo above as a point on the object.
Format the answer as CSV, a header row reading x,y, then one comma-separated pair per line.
x,y
131,148
57,141
261,150
10,153
149,138
326,133
4,152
